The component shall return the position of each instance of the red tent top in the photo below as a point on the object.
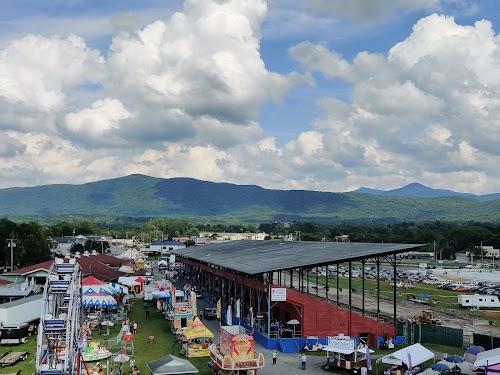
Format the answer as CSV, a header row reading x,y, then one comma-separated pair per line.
x,y
91,280
140,280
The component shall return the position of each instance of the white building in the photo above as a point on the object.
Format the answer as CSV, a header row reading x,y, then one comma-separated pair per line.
x,y
165,246
225,236
490,252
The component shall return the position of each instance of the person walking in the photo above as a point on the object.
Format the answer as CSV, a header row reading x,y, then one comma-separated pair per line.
x,y
134,325
146,313
274,357
132,364
303,361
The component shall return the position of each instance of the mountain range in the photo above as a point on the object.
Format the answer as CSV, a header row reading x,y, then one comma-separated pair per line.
x,y
144,196
416,190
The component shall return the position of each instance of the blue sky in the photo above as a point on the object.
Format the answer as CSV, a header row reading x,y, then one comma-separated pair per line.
x,y
297,110
389,127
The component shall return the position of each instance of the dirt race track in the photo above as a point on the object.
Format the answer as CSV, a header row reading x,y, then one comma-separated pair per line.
x,y
406,309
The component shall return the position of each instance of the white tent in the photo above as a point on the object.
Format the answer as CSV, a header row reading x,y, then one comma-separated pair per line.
x,y
488,358
131,253
128,281
417,352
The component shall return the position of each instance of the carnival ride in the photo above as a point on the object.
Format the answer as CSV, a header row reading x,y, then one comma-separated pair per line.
x,y
59,330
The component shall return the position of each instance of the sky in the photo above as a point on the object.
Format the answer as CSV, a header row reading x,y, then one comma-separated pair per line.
x,y
307,94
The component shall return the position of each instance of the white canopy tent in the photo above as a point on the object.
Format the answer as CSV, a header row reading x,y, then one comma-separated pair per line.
x,y
128,281
488,358
131,253
417,352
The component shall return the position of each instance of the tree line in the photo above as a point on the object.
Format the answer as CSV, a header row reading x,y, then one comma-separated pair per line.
x,y
33,239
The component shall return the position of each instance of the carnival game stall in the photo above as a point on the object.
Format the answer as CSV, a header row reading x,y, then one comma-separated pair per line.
x,y
182,310
182,317
409,358
196,339
347,353
236,352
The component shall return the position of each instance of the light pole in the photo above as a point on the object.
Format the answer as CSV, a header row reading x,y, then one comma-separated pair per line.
x,y
12,245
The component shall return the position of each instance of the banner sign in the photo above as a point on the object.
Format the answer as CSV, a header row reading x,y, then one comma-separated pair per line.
x,y
342,342
278,294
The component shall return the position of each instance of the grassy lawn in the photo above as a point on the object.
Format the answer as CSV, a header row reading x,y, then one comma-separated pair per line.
x,y
157,326
26,367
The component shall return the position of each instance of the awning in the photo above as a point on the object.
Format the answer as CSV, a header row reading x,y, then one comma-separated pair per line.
x,y
98,300
336,349
346,351
197,331
92,289
417,352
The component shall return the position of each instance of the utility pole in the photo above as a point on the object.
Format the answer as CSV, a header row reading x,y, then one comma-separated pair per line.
x,y
12,245
482,254
435,253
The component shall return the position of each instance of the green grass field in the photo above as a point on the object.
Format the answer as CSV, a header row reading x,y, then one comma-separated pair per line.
x,y
26,367
157,326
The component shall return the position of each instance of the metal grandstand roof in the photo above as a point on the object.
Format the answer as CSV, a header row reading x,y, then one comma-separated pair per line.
x,y
256,257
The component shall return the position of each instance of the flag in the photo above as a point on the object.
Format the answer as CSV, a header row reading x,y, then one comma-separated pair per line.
x,y
219,308
237,309
368,358
229,316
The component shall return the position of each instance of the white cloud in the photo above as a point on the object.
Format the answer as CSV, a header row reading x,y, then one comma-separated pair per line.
x,y
102,117
180,97
429,107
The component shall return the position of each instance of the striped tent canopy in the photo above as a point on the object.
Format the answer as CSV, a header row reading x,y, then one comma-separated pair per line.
x,y
93,289
96,300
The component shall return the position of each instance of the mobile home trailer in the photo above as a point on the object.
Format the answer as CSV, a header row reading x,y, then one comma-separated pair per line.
x,y
478,301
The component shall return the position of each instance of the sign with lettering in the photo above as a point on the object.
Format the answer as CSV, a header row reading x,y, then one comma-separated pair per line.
x,y
342,342
278,294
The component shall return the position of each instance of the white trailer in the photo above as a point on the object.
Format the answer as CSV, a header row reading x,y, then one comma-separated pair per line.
x,y
477,301
19,319
24,310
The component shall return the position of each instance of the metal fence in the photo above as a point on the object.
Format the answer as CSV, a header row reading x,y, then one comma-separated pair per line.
x,y
433,334
486,341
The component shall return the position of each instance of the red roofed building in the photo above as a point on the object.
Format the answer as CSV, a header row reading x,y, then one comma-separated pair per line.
x,y
92,265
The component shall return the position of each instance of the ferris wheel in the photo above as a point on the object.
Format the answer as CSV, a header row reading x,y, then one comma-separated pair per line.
x,y
59,330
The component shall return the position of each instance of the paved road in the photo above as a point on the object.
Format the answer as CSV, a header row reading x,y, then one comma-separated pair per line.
x,y
287,364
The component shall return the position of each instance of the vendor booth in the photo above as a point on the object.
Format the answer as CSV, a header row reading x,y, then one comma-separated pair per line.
x,y
196,339
412,357
346,353
236,352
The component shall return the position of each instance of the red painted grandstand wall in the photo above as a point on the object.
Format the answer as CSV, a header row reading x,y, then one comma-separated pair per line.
x,y
322,319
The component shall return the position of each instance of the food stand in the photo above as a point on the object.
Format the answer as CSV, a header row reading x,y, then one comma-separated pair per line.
x,y
183,316
236,352
345,353
197,338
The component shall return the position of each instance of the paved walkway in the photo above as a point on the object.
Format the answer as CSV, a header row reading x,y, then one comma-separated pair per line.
x,y
287,363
